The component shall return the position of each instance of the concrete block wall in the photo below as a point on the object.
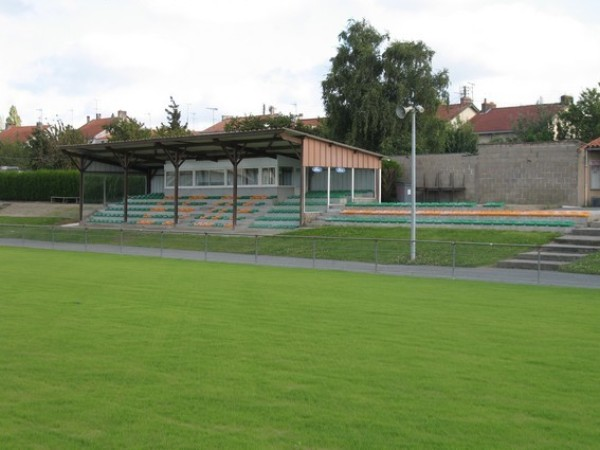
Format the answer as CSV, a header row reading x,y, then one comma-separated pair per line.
x,y
540,174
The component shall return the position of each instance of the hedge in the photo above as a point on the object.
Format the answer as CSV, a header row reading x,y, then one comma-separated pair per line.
x,y
40,185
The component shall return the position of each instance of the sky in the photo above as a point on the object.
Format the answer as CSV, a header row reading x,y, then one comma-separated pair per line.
x,y
69,59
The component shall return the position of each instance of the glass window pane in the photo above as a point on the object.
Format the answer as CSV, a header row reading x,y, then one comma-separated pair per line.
x,y
170,177
268,176
186,178
285,176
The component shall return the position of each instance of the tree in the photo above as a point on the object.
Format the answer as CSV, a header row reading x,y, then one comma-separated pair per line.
x,y
44,146
14,154
174,126
272,122
391,173
13,118
582,119
539,127
461,138
127,129
369,78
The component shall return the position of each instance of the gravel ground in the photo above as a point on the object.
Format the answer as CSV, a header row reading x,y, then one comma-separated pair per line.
x,y
45,209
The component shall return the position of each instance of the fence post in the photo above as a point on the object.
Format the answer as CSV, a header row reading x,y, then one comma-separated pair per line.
x,y
453,258
539,264
23,235
256,249
162,234
376,255
314,252
85,239
121,241
52,234
205,246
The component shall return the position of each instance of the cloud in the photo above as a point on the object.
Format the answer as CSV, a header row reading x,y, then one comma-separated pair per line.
x,y
69,75
14,7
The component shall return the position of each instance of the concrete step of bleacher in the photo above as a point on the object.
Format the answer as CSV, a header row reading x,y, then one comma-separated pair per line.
x,y
529,264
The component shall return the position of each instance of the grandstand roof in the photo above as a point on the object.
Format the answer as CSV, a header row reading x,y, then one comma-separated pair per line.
x,y
155,152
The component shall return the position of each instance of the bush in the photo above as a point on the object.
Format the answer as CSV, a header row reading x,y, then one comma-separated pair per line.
x,y
40,185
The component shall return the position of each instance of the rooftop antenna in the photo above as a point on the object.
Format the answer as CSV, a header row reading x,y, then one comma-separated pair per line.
x,y
213,113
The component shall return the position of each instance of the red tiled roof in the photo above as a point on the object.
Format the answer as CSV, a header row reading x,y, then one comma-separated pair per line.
x,y
18,134
220,126
95,126
449,112
498,120
594,144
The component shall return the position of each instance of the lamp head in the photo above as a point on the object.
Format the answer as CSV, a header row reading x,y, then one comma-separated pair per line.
x,y
402,111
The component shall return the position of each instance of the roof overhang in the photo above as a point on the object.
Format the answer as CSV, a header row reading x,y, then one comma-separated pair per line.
x,y
154,153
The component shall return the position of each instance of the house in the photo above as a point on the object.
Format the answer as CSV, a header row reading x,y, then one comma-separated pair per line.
x,y
94,130
20,134
221,126
591,175
493,124
458,113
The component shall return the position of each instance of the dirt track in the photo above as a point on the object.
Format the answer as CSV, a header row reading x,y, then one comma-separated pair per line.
x,y
44,209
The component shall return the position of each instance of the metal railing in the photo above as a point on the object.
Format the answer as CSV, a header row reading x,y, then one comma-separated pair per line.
x,y
440,258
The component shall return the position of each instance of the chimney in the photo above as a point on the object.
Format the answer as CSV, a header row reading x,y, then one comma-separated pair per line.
x,y
98,116
87,119
466,100
485,106
122,114
566,100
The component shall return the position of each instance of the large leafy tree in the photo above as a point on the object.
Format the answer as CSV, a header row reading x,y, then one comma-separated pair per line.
x,y
582,119
174,127
369,77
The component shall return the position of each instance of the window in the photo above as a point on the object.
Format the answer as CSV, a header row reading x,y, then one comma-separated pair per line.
x,y
186,178
210,178
170,179
595,177
268,176
285,176
246,177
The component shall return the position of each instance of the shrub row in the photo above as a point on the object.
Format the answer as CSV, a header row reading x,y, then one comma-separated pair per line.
x,y
40,185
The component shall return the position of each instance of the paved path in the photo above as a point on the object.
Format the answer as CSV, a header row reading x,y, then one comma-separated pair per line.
x,y
516,276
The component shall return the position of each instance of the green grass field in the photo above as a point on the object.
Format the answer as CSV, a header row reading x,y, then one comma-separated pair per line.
x,y
111,351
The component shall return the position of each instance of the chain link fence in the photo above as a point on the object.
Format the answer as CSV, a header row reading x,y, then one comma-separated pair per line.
x,y
379,255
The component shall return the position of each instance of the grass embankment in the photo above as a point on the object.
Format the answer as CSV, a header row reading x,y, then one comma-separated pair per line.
x,y
471,248
105,351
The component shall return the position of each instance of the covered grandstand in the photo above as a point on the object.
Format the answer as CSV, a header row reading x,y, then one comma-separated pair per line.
x,y
278,163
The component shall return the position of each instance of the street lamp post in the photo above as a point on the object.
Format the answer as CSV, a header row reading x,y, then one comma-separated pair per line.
x,y
401,112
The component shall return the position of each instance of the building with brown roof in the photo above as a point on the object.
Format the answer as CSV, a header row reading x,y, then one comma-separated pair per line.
x,y
458,113
94,131
494,124
221,126
20,134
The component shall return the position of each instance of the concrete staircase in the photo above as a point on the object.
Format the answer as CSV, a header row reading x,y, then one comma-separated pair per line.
x,y
563,250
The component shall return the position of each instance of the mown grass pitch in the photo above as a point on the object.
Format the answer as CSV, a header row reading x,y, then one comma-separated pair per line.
x,y
110,351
